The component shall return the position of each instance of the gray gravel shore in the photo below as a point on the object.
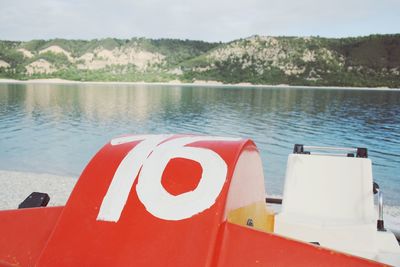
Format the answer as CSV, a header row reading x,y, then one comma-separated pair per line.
x,y
16,186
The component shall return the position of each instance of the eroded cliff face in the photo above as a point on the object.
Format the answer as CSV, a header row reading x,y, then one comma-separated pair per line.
x,y
264,53
363,61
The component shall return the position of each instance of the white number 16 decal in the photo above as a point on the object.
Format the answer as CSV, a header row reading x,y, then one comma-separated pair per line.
x,y
152,155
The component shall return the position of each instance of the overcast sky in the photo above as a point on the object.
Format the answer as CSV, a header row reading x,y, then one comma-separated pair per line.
x,y
209,20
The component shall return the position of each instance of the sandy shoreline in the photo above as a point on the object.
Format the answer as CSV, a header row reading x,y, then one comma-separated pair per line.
x,y
196,83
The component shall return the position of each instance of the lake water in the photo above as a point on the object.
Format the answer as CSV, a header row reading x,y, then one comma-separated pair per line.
x,y
56,129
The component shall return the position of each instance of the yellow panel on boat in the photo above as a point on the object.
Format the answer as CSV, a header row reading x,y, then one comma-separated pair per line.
x,y
256,215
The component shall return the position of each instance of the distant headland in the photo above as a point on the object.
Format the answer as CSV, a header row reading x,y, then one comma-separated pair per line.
x,y
370,61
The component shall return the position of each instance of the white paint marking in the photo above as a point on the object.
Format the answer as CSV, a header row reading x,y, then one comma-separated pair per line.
x,y
125,175
165,206
153,156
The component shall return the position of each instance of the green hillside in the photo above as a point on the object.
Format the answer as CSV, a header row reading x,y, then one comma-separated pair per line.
x,y
371,61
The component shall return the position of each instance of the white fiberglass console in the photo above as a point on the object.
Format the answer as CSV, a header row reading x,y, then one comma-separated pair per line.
x,y
328,200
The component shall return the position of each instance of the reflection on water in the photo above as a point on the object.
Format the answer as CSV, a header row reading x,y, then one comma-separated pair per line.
x,y
58,128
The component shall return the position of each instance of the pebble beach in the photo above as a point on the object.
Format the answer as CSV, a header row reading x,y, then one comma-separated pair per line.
x,y
16,186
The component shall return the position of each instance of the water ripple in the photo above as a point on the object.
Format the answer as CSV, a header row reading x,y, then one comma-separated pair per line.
x,y
57,129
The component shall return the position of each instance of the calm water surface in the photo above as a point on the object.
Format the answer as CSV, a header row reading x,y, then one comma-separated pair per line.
x,y
58,128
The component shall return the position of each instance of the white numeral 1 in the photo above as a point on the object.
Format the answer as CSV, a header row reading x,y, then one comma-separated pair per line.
x,y
125,175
